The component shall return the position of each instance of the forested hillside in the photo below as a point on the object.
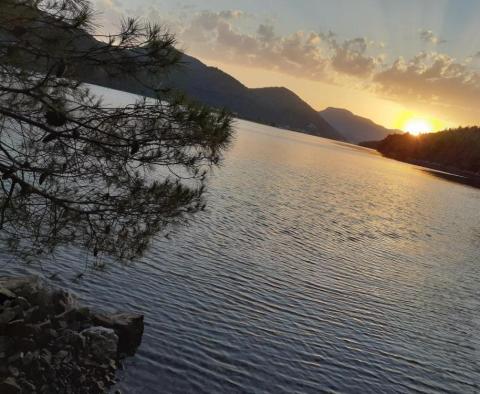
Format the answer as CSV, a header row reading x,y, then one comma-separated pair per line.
x,y
455,148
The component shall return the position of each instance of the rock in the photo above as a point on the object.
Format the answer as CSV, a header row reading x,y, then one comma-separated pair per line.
x,y
7,315
62,356
46,356
6,294
100,386
14,358
26,344
14,371
45,336
27,286
76,340
10,386
45,325
27,359
59,324
82,314
4,343
34,314
128,326
23,303
27,386
64,301
102,342
18,328
49,344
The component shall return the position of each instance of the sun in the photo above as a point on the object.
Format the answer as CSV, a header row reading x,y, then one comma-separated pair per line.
x,y
417,126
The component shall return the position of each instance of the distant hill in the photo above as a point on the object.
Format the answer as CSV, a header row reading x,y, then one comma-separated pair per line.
x,y
451,150
276,106
355,128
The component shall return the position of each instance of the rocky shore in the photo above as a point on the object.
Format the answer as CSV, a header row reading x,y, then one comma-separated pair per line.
x,y
51,344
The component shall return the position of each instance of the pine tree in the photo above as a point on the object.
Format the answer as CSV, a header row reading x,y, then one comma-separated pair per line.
x,y
75,171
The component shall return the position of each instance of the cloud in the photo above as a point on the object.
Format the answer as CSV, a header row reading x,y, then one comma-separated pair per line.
x,y
429,37
311,55
266,33
351,58
433,79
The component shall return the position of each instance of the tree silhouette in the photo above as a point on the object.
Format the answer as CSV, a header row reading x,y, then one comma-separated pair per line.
x,y
75,171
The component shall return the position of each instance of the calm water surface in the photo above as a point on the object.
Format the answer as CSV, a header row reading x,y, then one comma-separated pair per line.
x,y
318,267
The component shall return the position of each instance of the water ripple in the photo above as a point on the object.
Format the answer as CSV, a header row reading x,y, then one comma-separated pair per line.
x,y
317,268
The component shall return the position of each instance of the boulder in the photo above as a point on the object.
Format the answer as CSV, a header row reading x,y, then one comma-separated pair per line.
x,y
38,292
23,286
7,315
6,294
128,326
10,386
102,341
64,301
18,328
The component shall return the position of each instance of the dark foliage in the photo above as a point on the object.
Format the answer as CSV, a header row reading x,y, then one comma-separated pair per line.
x,y
456,148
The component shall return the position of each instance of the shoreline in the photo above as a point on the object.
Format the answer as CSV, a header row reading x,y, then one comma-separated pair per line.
x,y
445,172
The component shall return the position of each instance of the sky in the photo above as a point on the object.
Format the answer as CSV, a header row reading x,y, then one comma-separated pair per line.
x,y
389,60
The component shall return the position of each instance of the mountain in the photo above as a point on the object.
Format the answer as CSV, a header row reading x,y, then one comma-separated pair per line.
x,y
278,107
355,128
275,106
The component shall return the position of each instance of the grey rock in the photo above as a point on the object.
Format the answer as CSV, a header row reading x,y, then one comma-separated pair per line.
x,y
33,314
10,386
27,386
102,342
26,344
22,302
6,294
64,301
14,358
13,371
18,328
74,339
46,355
62,356
7,315
48,344
128,326
27,286
4,343
27,359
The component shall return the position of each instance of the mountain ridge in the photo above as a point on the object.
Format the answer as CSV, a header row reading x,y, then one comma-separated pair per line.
x,y
274,106
355,128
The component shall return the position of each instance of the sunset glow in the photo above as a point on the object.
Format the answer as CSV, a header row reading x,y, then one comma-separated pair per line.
x,y
416,124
